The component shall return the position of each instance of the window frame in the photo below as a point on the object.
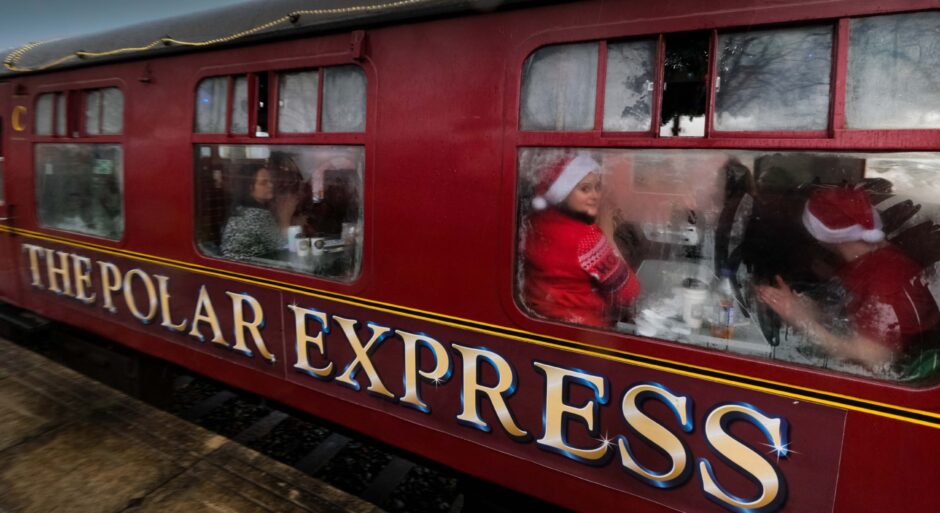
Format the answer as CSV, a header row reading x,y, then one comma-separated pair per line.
x,y
76,134
364,139
836,138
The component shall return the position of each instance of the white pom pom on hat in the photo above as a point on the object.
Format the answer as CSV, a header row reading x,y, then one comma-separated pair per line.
x,y
560,177
842,214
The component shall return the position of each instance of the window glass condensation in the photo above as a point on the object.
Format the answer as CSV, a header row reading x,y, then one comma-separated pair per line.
x,y
112,120
80,188
704,231
629,86
894,71
93,112
240,105
292,207
211,98
43,118
61,127
297,102
344,99
559,88
774,79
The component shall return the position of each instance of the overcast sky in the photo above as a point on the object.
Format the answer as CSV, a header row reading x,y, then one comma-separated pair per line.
x,y
23,21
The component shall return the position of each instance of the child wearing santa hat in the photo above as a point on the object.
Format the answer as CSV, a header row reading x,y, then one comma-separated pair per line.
x,y
888,304
571,271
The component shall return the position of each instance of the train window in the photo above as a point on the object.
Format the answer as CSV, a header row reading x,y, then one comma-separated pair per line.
x,y
559,88
80,188
684,88
344,99
628,89
42,124
299,110
61,112
774,79
211,96
289,207
240,105
297,102
104,111
819,259
50,115
894,72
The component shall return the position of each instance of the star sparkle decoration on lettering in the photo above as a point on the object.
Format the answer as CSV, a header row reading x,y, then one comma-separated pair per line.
x,y
606,440
779,450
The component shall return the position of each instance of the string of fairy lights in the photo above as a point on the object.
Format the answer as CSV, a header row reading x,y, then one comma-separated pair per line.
x,y
12,60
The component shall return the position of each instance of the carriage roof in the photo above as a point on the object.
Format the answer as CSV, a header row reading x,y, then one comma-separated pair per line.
x,y
248,22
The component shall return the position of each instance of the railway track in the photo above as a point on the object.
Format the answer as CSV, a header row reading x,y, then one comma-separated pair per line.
x,y
395,481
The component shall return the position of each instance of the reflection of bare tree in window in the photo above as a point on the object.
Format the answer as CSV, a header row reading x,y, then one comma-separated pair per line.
x,y
627,94
684,75
894,72
774,80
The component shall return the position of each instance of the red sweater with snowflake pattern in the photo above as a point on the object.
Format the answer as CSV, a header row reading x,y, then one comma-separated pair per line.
x,y
572,273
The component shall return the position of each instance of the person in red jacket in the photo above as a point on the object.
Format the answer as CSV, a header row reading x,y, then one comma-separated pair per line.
x,y
887,305
572,273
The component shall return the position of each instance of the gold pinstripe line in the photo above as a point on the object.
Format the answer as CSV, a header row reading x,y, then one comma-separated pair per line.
x,y
513,334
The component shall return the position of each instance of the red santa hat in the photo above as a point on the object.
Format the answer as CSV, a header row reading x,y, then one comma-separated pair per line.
x,y
560,177
842,214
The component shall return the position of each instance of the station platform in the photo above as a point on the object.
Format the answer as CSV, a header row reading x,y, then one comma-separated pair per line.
x,y
70,444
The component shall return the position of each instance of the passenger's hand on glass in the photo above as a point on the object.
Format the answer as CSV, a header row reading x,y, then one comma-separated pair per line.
x,y
790,306
284,207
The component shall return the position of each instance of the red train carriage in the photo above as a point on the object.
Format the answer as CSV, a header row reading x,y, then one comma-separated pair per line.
x,y
350,207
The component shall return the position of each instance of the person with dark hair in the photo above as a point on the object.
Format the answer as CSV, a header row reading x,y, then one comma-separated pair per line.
x,y
289,192
252,231
887,307
572,272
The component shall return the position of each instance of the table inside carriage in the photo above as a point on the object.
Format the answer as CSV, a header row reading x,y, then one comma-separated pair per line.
x,y
659,314
660,307
335,259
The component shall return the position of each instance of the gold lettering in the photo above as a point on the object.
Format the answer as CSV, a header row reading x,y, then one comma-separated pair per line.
x,y
81,268
110,283
362,356
206,313
440,372
772,486
62,271
34,253
557,380
657,435
165,313
497,394
151,295
302,340
254,327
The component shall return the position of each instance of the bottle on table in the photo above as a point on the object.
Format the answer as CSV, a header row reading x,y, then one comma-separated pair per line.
x,y
723,326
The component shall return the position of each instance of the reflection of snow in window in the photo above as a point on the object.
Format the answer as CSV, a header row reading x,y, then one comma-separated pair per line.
x,y
43,117
210,105
629,86
559,88
344,99
92,112
112,121
894,71
297,100
774,79
688,126
240,105
60,114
